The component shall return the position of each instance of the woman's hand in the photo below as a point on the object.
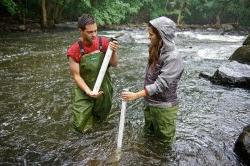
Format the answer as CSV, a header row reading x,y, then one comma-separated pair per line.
x,y
128,96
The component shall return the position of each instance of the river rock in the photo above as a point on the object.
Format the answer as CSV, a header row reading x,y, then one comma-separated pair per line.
x,y
125,38
242,54
227,27
66,25
22,27
242,145
247,41
231,73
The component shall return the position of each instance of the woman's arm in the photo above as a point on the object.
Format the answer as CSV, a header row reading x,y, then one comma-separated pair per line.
x,y
128,96
170,73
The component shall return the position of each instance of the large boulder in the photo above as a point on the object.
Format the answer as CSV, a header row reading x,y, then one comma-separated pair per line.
x,y
236,72
232,74
247,41
242,54
242,146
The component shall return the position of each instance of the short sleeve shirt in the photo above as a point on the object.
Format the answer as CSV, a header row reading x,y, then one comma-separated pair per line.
x,y
74,50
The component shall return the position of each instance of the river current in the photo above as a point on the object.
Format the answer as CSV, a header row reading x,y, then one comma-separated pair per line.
x,y
35,99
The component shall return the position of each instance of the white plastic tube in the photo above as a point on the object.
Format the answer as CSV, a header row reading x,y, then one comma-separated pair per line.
x,y
121,124
103,70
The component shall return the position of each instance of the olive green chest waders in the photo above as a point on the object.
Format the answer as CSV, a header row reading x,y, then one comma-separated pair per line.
x,y
87,110
161,122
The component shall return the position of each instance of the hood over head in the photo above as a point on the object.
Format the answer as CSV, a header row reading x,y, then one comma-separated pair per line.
x,y
166,28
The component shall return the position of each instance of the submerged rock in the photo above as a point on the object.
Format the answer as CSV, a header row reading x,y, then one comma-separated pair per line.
x,y
242,146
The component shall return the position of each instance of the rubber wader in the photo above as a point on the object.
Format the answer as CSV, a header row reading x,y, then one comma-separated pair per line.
x,y
87,110
161,122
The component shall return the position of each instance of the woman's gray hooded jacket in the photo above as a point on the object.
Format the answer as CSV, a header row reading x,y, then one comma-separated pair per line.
x,y
161,83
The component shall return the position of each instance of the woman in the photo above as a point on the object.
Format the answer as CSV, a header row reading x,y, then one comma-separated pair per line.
x,y
163,72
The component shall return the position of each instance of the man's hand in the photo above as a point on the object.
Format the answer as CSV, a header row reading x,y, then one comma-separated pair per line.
x,y
94,95
114,60
114,45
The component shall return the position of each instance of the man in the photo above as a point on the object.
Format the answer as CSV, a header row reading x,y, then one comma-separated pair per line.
x,y
85,60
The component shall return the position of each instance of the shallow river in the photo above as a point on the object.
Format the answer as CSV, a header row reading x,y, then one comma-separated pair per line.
x,y
35,98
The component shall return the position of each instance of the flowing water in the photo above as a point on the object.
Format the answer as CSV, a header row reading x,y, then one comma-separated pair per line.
x,y
35,98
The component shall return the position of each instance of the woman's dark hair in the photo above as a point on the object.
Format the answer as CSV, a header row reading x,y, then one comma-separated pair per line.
x,y
84,20
154,49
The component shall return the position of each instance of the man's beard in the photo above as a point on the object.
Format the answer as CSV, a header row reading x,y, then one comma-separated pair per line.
x,y
89,41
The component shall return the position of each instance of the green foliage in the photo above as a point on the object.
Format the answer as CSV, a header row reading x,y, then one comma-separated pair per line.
x,y
110,12
229,11
10,6
114,11
106,11
121,11
156,8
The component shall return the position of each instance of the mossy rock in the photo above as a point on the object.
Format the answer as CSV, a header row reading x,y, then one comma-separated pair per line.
x,y
242,146
241,55
247,41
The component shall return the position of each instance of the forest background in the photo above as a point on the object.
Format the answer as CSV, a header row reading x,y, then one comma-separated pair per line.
x,y
47,13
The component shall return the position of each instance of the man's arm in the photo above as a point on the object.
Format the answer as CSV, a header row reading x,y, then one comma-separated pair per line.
x,y
75,72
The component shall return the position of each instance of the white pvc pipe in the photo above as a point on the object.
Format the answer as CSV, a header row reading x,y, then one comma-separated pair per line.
x,y
121,124
102,71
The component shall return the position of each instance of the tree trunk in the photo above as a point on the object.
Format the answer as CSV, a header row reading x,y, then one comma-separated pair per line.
x,y
94,3
44,15
179,18
218,22
55,13
51,7
182,9
223,6
58,12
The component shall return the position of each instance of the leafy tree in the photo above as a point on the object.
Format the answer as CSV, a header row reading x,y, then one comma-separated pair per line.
x,y
10,6
50,12
106,11
178,8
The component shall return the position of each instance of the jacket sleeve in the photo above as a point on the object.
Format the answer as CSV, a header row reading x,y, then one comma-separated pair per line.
x,y
169,73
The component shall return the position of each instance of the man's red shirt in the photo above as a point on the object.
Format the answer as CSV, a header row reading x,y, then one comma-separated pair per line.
x,y
74,50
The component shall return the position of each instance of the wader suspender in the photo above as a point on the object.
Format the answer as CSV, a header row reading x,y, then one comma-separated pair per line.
x,y
81,46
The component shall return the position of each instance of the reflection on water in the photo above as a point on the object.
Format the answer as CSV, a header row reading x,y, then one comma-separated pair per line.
x,y
35,103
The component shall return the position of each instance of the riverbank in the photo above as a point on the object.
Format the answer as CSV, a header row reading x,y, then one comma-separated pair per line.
x,y
34,27
223,29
